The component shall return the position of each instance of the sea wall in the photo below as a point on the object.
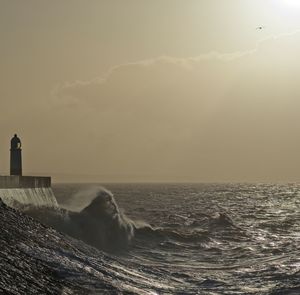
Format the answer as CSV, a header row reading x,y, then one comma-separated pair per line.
x,y
27,190
24,182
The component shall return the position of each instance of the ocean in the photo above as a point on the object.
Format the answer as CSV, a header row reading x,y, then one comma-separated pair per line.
x,y
155,239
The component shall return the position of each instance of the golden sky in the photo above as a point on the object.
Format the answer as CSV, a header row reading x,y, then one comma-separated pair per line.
x,y
146,90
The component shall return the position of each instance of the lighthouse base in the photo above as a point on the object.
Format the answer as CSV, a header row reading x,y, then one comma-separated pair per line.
x,y
27,190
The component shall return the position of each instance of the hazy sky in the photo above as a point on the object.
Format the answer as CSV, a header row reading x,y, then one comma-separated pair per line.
x,y
152,90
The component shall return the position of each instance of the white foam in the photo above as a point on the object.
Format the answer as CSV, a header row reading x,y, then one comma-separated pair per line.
x,y
33,196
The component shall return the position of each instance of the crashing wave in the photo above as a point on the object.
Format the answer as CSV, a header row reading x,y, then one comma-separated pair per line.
x,y
103,225
100,224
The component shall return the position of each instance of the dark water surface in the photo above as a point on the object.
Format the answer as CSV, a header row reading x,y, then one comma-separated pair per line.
x,y
188,239
211,239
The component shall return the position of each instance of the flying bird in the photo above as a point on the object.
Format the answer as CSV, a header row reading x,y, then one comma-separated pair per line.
x,y
260,28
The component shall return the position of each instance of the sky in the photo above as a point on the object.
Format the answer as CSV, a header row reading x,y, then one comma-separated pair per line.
x,y
152,91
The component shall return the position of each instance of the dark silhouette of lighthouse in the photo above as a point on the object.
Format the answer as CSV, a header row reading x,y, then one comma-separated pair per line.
x,y
15,156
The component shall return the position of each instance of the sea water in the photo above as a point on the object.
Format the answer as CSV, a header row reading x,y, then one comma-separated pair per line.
x,y
174,238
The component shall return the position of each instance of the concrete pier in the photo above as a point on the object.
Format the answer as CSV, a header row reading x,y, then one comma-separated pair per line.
x,y
24,182
33,190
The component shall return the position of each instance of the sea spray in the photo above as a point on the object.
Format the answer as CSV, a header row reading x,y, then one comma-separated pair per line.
x,y
222,239
78,200
94,217
16,197
100,224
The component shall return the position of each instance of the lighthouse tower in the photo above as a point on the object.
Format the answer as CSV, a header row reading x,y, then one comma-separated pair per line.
x,y
15,156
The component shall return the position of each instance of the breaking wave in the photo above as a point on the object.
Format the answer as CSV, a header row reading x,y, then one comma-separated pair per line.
x,y
197,240
103,225
100,224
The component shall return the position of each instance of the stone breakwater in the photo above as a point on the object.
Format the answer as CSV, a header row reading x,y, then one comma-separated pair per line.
x,y
36,259
22,270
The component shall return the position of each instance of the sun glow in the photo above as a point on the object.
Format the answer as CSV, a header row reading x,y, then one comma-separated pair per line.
x,y
294,3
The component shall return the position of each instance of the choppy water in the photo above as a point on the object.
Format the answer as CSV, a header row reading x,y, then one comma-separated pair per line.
x,y
186,239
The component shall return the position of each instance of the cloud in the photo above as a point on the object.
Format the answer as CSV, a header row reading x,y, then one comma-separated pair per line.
x,y
213,117
129,73
167,73
209,63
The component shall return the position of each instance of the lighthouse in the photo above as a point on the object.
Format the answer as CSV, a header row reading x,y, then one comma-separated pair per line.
x,y
18,189
15,156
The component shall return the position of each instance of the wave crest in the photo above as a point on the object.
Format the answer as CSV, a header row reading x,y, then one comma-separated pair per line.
x,y
100,224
